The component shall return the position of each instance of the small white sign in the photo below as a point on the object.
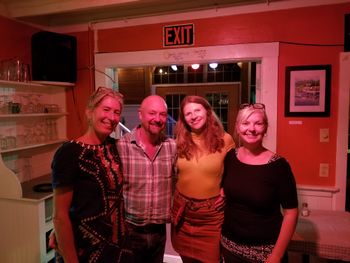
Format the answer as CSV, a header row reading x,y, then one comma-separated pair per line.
x,y
295,122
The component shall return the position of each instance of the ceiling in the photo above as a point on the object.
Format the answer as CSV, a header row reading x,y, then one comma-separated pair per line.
x,y
73,12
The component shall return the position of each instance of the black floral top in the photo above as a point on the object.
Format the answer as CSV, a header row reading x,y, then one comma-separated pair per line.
x,y
97,209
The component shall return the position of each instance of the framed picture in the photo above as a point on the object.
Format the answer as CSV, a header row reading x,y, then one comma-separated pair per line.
x,y
308,91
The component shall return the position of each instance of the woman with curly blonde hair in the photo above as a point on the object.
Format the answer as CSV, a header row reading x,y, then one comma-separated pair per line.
x,y
197,212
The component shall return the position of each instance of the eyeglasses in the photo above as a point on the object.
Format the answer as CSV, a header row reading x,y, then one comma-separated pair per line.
x,y
258,106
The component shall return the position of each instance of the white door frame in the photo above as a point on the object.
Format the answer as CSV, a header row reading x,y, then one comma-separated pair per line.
x,y
265,53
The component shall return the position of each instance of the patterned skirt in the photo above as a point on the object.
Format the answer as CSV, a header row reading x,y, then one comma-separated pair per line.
x,y
246,253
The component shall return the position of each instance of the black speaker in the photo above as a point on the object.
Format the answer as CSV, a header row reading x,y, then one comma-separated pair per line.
x,y
54,57
347,33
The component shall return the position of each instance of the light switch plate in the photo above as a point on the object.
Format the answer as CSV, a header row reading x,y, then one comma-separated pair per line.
x,y
324,169
324,135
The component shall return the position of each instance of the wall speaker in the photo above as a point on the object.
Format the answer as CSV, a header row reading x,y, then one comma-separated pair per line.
x,y
54,57
347,33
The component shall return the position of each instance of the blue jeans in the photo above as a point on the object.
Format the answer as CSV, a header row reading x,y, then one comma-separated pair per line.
x,y
146,242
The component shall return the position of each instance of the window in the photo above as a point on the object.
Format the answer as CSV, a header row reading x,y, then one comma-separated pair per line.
x,y
205,73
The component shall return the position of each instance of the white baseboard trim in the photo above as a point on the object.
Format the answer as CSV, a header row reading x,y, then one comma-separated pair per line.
x,y
172,259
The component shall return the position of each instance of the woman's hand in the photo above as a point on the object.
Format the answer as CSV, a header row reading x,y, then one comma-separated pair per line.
x,y
273,259
52,240
220,202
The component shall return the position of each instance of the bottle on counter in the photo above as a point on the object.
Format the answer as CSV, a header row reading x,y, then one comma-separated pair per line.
x,y
305,210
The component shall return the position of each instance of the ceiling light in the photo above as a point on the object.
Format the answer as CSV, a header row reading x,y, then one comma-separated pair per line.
x,y
160,71
195,66
174,67
213,65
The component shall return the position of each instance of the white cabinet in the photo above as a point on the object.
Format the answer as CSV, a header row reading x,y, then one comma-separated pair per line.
x,y
32,126
25,225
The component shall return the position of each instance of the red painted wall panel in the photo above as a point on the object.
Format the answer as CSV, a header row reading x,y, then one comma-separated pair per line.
x,y
308,36
15,40
77,97
318,25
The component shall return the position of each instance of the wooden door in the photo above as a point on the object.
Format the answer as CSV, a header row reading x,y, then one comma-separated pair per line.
x,y
224,98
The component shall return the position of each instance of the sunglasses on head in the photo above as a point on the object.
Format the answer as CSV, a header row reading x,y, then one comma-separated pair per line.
x,y
260,106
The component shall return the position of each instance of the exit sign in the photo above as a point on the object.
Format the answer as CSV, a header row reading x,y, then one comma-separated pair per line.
x,y
178,35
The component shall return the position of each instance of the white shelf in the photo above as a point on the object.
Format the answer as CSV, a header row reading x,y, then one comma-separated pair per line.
x,y
53,83
24,223
32,146
25,115
31,84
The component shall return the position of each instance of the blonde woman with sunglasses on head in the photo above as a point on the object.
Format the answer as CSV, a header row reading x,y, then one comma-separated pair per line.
x,y
88,183
257,183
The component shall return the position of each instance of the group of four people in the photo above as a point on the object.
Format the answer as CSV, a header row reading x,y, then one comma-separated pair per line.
x,y
113,198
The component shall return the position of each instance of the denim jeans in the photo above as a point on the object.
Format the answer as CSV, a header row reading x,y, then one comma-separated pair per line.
x,y
147,242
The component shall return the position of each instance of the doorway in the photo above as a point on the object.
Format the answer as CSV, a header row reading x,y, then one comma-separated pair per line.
x,y
266,53
224,99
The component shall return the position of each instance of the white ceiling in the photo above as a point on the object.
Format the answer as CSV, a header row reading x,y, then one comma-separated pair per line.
x,y
73,12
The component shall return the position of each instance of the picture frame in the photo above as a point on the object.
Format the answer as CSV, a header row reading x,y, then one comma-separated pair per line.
x,y
308,91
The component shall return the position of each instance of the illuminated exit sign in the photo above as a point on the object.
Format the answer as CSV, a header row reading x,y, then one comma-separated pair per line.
x,y
178,35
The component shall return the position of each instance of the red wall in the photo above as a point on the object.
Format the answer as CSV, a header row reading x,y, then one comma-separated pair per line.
x,y
296,30
300,143
15,40
78,96
322,25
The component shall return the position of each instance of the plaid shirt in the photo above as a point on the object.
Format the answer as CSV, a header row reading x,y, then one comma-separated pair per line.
x,y
148,184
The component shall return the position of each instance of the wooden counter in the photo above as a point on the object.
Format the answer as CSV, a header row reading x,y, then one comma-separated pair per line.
x,y
29,193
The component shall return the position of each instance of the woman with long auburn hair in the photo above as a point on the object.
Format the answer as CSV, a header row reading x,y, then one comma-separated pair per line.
x,y
197,212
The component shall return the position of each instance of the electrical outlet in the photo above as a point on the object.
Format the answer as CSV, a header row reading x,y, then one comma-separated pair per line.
x,y
324,135
324,169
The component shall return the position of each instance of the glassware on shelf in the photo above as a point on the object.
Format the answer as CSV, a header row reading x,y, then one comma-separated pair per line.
x,y
38,107
31,103
54,108
39,132
18,70
6,104
3,143
26,73
12,73
15,107
3,104
28,135
27,106
11,141
14,70
51,108
51,129
6,69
